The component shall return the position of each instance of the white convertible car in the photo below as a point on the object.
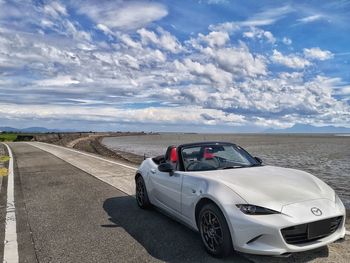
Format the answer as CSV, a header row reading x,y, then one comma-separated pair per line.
x,y
235,202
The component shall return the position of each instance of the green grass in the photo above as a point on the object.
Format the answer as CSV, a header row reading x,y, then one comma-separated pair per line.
x,y
3,171
4,159
7,137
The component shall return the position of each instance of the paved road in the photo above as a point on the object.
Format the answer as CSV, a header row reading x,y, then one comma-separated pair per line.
x,y
66,215
69,209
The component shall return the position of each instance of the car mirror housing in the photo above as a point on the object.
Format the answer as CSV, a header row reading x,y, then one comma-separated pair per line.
x,y
166,168
258,160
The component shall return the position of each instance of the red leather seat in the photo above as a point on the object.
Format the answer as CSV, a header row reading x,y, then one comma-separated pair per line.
x,y
173,155
207,155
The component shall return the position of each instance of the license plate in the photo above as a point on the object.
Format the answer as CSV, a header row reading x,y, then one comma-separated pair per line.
x,y
318,229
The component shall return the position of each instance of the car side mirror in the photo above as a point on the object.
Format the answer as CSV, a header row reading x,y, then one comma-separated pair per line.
x,y
258,160
166,168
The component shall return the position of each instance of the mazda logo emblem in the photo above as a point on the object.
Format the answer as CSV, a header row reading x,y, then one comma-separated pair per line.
x,y
316,211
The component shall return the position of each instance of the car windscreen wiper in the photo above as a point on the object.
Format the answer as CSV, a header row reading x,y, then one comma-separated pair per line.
x,y
232,167
255,164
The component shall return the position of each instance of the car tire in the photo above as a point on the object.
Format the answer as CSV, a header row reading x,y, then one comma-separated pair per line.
x,y
214,231
141,194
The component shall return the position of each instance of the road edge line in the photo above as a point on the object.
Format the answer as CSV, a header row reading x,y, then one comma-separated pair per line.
x,y
10,242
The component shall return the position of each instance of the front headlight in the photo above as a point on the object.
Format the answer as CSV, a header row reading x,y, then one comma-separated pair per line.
x,y
255,210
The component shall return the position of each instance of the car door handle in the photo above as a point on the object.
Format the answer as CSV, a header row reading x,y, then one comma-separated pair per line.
x,y
153,171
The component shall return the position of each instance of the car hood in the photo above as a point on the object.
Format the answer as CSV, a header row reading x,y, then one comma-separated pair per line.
x,y
273,187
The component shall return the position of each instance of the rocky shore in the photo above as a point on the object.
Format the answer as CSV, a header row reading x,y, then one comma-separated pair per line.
x,y
91,142
94,145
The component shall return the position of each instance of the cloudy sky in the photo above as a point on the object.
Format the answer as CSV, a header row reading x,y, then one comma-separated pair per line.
x,y
174,65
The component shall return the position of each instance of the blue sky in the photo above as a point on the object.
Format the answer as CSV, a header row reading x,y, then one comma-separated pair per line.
x,y
209,66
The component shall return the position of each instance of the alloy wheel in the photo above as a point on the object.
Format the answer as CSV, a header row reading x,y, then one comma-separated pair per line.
x,y
211,231
140,192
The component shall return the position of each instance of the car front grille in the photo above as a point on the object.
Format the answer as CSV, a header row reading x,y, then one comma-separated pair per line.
x,y
299,234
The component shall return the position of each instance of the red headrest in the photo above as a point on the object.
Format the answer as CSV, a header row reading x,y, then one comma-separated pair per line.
x,y
207,154
173,155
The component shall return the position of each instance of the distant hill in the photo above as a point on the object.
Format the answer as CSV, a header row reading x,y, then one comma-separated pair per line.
x,y
32,130
307,128
297,128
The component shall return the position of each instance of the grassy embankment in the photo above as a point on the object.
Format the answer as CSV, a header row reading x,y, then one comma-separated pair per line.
x,y
5,137
3,160
8,137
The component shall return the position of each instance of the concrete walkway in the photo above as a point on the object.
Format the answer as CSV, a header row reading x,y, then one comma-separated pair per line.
x,y
118,174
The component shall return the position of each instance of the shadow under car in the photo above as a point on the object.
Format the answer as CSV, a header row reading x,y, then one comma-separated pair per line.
x,y
168,240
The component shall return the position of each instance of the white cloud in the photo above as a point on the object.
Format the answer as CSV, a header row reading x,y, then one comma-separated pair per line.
x,y
123,15
317,53
57,81
268,35
47,23
165,40
287,41
239,61
257,33
273,13
343,91
215,2
148,36
104,29
72,30
225,27
55,9
209,71
156,55
163,115
72,74
126,39
291,61
130,61
264,18
310,19
215,38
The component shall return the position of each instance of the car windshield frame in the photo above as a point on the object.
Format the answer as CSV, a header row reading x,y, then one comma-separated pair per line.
x,y
242,152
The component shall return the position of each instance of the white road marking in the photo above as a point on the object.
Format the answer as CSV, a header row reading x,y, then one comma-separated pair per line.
x,y
10,247
90,155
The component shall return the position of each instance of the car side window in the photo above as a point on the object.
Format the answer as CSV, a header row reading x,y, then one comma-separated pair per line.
x,y
190,155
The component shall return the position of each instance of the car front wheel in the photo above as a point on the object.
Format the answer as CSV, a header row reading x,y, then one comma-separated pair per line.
x,y
141,193
214,231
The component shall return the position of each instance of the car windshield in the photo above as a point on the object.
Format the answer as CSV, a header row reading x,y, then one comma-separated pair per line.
x,y
216,157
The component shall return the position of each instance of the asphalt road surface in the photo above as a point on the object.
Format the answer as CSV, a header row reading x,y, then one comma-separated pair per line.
x,y
69,209
66,215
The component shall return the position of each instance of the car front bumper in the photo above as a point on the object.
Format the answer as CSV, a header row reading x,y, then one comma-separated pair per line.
x,y
261,234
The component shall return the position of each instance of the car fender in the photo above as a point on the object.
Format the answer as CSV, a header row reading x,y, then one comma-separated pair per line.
x,y
144,170
196,189
226,199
